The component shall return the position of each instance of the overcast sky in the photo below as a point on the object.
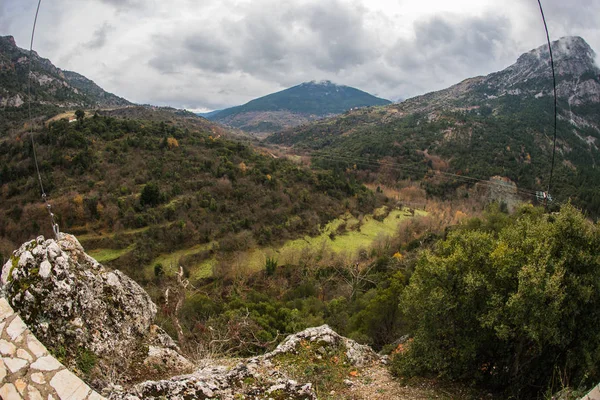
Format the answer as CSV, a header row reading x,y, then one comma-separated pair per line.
x,y
209,54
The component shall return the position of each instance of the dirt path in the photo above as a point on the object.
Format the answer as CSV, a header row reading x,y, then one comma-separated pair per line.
x,y
376,383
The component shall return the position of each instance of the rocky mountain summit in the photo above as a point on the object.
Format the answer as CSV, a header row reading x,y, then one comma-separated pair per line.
x,y
578,80
501,124
51,86
573,58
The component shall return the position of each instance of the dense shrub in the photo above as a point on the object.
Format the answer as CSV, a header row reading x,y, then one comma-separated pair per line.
x,y
508,302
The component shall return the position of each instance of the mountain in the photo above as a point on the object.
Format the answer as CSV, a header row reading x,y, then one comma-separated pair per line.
x,y
306,102
52,89
495,125
208,114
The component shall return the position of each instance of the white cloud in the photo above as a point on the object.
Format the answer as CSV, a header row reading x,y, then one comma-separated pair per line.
x,y
212,54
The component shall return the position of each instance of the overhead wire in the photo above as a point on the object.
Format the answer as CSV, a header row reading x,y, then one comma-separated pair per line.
x,y
332,156
555,103
406,168
55,228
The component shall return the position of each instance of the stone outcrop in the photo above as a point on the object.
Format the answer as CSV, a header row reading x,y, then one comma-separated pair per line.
x,y
28,371
65,296
256,377
71,302
358,354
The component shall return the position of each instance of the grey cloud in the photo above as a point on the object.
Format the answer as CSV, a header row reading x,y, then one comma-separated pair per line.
x,y
199,50
272,44
312,41
208,53
567,14
447,49
342,32
124,4
99,37
219,53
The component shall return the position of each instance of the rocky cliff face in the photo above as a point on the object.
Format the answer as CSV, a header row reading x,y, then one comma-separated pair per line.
x,y
578,80
572,57
50,85
578,76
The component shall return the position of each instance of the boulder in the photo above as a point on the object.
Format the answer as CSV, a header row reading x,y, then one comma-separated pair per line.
x,y
359,355
71,302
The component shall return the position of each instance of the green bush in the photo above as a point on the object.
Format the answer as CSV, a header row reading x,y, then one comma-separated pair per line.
x,y
270,266
86,360
150,195
508,307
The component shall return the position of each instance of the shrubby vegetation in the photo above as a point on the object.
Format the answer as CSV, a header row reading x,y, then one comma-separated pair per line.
x,y
502,302
507,302
178,186
510,302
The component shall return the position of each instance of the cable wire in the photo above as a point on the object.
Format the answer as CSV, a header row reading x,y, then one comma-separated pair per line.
x,y
555,102
55,228
406,168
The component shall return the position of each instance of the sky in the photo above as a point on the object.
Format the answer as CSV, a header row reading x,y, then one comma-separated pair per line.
x,y
212,54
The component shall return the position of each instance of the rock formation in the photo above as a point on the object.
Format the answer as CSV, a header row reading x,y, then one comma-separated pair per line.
x,y
76,306
266,376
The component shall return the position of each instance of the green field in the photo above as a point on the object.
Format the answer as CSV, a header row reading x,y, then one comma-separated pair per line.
x,y
106,255
350,241
96,236
171,262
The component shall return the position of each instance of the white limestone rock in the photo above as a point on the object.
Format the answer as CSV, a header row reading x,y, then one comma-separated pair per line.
x,y
47,363
269,377
358,354
68,386
7,348
49,280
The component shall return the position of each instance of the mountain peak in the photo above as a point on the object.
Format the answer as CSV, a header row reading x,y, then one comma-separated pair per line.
x,y
8,39
294,106
570,46
572,56
51,86
320,83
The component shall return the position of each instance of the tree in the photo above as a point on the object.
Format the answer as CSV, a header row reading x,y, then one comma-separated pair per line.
x,y
159,270
150,195
80,115
270,266
509,307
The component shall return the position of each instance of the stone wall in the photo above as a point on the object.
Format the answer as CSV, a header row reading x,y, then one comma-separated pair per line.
x,y
27,371
594,394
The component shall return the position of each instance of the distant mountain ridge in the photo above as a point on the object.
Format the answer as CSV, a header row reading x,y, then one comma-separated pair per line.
x,y
51,86
495,125
306,102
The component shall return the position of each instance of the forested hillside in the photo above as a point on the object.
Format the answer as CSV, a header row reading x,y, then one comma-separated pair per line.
x,y
191,186
501,124
386,223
